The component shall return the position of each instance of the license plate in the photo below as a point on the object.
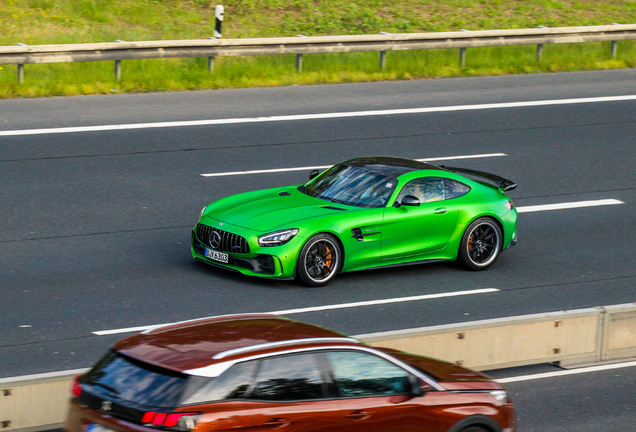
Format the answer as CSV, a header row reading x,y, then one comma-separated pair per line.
x,y
94,427
216,256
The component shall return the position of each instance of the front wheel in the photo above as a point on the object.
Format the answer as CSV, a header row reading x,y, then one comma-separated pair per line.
x,y
480,245
319,260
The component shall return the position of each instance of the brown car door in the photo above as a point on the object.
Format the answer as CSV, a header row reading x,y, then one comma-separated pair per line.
x,y
289,394
374,395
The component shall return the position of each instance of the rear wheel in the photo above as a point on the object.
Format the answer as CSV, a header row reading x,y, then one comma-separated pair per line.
x,y
474,429
480,245
319,260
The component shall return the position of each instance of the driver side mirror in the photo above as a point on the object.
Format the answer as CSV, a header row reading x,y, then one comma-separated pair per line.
x,y
409,200
313,174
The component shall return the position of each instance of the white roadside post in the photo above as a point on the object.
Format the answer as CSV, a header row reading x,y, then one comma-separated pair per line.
x,y
21,69
218,32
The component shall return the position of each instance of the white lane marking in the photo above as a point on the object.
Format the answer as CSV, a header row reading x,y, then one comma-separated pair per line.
x,y
566,372
316,116
329,307
276,170
568,205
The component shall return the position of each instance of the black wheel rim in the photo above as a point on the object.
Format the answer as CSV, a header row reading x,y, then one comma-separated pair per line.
x,y
321,260
483,244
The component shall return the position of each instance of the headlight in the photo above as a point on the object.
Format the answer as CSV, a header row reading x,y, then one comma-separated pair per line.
x,y
202,210
277,238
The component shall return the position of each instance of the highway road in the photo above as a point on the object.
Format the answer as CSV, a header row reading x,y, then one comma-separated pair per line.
x,y
96,223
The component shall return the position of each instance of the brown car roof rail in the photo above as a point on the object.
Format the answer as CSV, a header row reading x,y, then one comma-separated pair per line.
x,y
283,343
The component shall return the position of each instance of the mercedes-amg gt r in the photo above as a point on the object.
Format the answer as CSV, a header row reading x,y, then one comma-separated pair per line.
x,y
360,214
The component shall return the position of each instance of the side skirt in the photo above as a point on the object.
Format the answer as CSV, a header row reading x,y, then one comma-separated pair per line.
x,y
424,261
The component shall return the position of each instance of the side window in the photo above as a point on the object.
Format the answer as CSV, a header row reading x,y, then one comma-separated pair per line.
x,y
293,377
231,384
455,189
424,189
360,374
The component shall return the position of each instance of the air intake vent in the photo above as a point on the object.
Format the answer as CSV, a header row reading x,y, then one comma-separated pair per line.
x,y
333,208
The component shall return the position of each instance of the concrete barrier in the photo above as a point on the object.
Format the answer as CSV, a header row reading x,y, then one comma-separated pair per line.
x,y
619,332
571,336
35,402
40,402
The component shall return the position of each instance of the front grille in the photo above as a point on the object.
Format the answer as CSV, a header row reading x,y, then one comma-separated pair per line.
x,y
229,242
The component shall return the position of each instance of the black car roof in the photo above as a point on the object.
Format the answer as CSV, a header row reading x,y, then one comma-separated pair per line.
x,y
391,166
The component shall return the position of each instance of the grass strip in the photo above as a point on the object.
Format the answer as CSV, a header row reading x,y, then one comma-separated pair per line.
x,y
82,21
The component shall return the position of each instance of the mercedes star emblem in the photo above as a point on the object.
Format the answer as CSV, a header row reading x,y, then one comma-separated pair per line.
x,y
215,240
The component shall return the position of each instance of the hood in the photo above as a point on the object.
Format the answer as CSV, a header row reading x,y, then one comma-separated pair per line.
x,y
271,209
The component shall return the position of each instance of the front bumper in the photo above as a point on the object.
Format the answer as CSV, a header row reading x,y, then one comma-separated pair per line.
x,y
271,262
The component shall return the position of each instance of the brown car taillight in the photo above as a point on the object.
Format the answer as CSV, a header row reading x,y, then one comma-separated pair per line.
x,y
179,421
76,389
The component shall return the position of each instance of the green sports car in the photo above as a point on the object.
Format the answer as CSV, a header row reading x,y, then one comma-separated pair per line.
x,y
360,214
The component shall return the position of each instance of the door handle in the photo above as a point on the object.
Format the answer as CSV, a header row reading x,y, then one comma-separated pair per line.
x,y
440,210
276,423
358,415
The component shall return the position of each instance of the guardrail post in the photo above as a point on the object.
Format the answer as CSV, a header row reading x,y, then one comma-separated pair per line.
x,y
462,54
299,59
211,60
21,69
118,65
383,55
462,58
614,46
540,48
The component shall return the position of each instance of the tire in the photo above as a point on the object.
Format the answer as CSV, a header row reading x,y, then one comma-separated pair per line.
x,y
474,429
319,260
481,244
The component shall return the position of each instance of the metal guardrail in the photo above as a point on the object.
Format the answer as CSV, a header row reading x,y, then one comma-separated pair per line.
x,y
40,402
117,51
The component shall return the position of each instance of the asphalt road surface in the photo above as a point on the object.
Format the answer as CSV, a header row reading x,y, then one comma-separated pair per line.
x,y
96,224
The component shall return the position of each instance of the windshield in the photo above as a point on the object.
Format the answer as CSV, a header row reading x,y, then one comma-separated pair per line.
x,y
356,186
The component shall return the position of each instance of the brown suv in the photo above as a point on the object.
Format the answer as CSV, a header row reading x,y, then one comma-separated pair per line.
x,y
262,372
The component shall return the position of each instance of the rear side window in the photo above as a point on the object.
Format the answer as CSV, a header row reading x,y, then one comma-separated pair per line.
x,y
126,379
360,374
455,189
294,377
425,189
231,384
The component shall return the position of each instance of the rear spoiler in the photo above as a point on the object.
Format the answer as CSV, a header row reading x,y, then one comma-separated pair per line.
x,y
504,185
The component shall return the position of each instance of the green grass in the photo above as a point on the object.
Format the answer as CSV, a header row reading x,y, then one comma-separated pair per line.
x,y
83,21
